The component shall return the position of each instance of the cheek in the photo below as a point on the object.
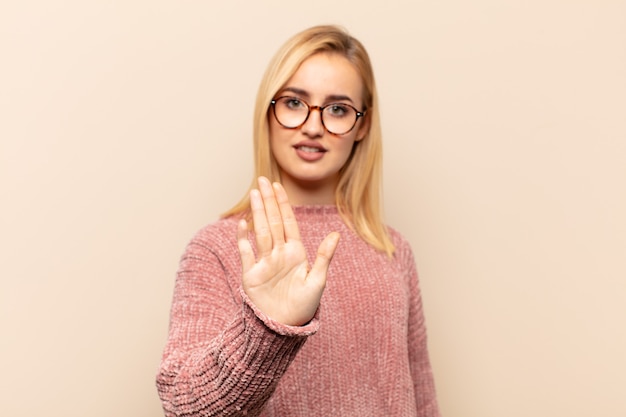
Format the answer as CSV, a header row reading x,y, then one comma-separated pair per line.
x,y
271,128
278,140
346,148
346,151
274,135
348,143
277,133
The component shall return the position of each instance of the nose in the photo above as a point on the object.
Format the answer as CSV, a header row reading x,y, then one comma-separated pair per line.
x,y
313,125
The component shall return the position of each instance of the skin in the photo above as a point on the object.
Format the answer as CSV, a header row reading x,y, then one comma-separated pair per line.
x,y
279,281
321,79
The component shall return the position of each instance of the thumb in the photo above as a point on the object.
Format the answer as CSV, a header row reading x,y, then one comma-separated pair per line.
x,y
325,253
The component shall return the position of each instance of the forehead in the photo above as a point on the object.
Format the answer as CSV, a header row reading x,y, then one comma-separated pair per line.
x,y
327,74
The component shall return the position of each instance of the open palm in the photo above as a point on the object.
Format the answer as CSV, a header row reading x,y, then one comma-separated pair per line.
x,y
280,282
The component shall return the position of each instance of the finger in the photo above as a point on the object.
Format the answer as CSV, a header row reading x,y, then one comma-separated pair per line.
x,y
325,253
262,234
245,249
274,219
289,219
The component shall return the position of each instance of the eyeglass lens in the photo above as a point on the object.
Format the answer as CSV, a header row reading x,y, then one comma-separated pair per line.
x,y
338,118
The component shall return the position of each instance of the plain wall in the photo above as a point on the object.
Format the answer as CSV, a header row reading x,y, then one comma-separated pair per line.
x,y
125,126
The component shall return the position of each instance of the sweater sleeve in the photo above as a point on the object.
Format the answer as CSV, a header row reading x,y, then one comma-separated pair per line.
x,y
421,370
223,356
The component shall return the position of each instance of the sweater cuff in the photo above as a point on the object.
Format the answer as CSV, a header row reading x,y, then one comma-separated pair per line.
x,y
251,310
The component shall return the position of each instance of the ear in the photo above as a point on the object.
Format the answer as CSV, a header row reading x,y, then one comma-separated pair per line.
x,y
364,128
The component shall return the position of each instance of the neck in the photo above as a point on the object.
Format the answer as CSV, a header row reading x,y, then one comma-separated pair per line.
x,y
309,193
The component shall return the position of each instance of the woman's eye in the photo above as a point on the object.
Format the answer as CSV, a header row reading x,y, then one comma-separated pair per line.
x,y
337,110
293,103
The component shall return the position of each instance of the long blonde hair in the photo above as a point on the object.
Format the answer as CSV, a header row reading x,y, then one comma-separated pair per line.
x,y
358,192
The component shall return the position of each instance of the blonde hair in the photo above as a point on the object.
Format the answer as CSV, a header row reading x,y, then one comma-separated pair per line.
x,y
358,192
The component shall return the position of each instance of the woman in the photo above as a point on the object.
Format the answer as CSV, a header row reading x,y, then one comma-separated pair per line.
x,y
263,323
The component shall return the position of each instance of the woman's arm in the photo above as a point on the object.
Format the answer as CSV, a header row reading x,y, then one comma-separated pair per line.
x,y
230,341
223,355
423,381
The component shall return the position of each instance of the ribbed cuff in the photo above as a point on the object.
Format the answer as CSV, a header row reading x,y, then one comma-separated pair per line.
x,y
251,311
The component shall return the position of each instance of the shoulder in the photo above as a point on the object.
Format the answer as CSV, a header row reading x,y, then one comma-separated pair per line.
x,y
403,252
217,236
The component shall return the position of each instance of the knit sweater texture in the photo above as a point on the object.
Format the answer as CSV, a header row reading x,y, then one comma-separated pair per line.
x,y
363,354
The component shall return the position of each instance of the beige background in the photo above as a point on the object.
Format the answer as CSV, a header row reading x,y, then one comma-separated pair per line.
x,y
125,126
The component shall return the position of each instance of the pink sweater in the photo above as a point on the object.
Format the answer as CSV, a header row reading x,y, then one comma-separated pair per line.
x,y
364,354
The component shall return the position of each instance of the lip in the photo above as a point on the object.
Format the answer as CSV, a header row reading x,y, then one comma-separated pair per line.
x,y
307,155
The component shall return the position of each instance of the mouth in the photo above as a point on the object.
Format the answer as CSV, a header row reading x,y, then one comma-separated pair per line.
x,y
309,149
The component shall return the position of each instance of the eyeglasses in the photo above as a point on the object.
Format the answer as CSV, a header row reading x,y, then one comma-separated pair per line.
x,y
337,118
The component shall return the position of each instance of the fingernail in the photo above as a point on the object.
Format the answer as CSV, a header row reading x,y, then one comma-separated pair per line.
x,y
254,196
264,184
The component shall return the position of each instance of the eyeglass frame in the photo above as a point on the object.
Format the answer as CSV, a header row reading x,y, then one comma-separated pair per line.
x,y
359,114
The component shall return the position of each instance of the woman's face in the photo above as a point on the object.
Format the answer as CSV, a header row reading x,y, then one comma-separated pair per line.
x,y
309,156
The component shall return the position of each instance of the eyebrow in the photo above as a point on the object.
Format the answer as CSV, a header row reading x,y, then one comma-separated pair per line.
x,y
305,94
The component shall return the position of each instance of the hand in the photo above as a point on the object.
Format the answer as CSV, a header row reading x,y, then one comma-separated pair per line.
x,y
279,282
